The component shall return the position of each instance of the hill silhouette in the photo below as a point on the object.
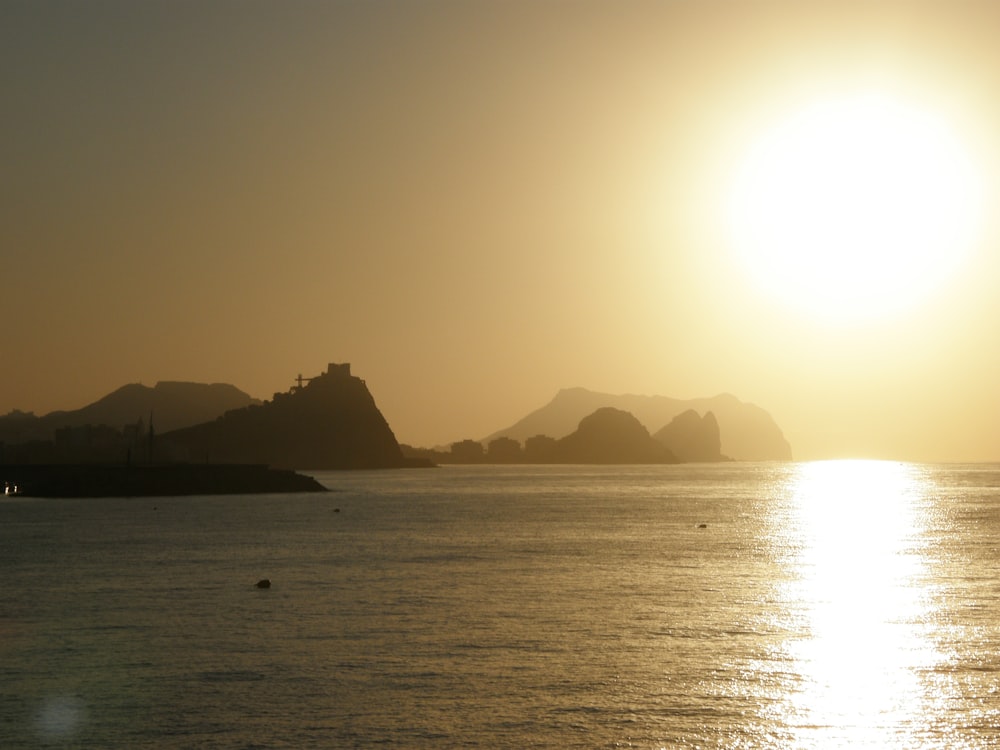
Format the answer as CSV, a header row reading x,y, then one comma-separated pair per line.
x,y
748,433
608,436
173,405
611,436
693,438
330,422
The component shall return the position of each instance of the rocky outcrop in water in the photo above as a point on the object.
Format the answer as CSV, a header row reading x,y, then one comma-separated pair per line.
x,y
691,437
611,436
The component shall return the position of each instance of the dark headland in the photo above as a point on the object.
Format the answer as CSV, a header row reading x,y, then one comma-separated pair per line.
x,y
325,422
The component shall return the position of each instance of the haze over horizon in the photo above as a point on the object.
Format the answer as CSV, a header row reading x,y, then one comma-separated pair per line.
x,y
478,204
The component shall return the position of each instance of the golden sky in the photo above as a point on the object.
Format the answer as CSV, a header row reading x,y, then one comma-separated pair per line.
x,y
479,203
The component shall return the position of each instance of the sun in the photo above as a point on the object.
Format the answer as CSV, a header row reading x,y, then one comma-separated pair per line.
x,y
854,207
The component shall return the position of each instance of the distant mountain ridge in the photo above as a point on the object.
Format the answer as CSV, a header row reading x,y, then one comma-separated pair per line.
x,y
747,432
173,404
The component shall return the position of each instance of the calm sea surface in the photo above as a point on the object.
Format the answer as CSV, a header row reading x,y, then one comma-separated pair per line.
x,y
814,605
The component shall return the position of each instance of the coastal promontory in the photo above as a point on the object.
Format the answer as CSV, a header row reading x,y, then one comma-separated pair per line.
x,y
326,422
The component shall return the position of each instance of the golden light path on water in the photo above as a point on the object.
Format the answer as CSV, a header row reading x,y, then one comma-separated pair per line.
x,y
863,599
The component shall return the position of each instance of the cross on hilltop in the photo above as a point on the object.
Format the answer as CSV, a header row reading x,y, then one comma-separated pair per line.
x,y
332,370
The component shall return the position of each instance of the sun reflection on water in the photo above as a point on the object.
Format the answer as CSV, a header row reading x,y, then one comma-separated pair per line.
x,y
862,603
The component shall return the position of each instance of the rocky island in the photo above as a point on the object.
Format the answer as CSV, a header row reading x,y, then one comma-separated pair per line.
x,y
611,436
746,431
607,436
692,437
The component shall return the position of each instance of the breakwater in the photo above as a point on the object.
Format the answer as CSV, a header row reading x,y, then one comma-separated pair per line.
x,y
90,480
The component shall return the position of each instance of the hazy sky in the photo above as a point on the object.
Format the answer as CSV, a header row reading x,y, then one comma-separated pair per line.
x,y
474,203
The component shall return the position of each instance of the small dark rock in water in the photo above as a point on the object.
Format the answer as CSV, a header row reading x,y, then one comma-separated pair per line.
x,y
702,525
336,510
264,583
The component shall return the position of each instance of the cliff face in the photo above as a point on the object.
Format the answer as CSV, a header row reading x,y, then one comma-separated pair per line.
x,y
331,422
611,436
693,438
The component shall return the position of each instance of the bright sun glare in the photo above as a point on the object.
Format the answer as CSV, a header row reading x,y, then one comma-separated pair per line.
x,y
867,633
854,207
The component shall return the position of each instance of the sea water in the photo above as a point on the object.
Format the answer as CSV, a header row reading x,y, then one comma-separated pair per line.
x,y
812,605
